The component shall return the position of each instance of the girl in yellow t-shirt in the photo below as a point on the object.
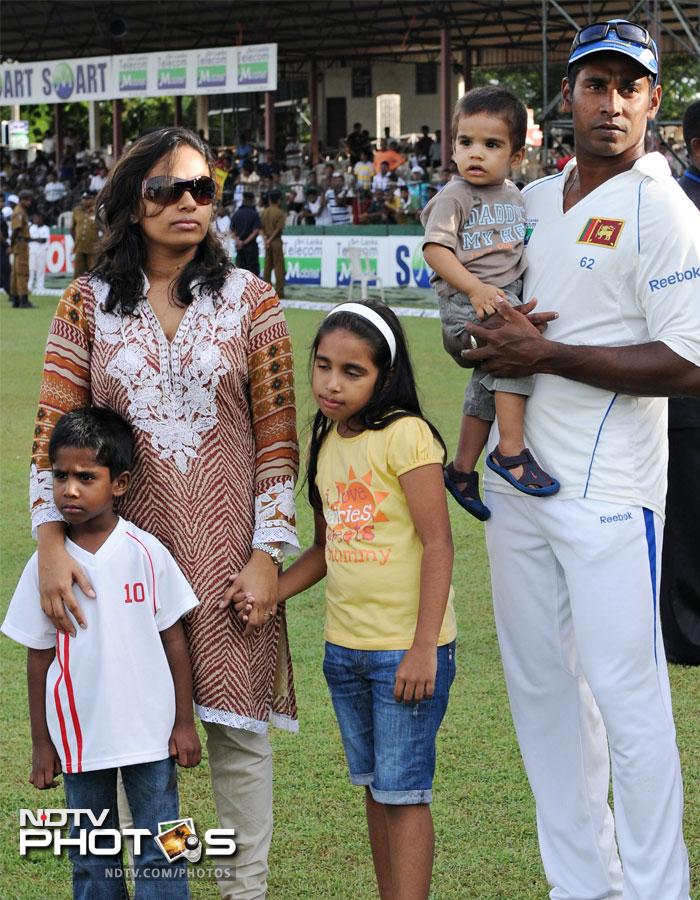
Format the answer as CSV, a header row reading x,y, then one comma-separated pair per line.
x,y
382,539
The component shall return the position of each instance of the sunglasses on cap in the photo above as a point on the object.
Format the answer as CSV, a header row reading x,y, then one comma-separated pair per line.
x,y
165,189
626,31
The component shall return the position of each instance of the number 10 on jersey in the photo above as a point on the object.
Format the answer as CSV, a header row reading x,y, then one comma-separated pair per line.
x,y
134,593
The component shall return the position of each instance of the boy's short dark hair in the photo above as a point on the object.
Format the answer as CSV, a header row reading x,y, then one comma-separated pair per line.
x,y
691,124
98,429
496,101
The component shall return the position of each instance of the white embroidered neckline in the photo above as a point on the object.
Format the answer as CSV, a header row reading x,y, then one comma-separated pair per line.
x,y
175,402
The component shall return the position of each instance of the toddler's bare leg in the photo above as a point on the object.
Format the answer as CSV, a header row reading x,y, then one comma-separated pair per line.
x,y
473,434
510,415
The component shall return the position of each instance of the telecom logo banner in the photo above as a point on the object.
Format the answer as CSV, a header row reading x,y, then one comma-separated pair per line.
x,y
203,71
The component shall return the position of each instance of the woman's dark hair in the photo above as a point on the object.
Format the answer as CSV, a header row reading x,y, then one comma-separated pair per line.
x,y
99,429
394,397
123,251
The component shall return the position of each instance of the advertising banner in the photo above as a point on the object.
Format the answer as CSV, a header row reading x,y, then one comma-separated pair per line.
x,y
313,260
214,70
59,259
256,67
18,134
303,258
398,261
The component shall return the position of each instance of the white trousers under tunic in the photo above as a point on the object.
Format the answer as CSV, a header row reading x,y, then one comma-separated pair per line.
x,y
575,587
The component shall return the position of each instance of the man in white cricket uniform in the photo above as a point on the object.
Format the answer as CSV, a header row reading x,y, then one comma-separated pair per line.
x,y
39,237
614,249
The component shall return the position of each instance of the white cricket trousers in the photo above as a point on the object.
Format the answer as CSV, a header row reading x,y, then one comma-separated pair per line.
x,y
575,587
37,268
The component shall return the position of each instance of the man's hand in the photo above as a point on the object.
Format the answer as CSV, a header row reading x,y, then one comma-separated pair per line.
x,y
511,342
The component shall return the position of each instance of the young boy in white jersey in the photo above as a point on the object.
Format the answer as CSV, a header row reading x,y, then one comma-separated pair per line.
x,y
118,695
474,242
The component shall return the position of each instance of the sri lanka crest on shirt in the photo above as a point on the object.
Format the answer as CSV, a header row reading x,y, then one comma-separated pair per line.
x,y
601,232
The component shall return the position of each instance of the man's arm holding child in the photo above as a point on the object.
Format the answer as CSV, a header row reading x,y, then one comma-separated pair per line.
x,y
425,495
184,742
444,263
45,761
517,348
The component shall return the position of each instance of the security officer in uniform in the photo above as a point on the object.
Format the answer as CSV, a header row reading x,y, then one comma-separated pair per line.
x,y
86,235
19,247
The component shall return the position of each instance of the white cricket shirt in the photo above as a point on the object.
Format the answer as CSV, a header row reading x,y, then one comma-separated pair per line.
x,y
621,267
110,699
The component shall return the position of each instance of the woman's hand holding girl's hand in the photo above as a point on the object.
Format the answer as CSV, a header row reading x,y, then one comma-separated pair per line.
x,y
249,612
257,579
57,573
243,604
415,676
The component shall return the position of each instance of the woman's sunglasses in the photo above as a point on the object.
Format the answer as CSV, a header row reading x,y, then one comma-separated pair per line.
x,y
165,189
626,31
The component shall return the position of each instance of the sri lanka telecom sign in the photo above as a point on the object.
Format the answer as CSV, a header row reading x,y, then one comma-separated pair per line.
x,y
213,70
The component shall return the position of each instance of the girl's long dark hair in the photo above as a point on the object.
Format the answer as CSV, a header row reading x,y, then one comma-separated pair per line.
x,y
395,395
119,207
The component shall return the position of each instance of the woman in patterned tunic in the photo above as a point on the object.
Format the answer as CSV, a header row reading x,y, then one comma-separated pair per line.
x,y
196,356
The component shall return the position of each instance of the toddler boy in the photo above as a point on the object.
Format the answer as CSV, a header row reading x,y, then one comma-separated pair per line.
x,y
474,242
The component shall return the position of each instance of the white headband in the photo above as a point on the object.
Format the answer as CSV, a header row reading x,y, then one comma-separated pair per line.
x,y
368,313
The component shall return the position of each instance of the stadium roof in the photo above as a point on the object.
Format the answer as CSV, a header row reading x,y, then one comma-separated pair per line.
x,y
498,32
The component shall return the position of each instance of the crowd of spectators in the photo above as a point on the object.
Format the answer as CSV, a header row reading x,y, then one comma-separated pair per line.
x,y
367,181
56,189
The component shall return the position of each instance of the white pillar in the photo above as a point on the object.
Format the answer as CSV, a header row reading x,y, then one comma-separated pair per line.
x,y
94,124
202,117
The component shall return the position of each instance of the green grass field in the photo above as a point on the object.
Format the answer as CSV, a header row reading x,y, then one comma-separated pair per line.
x,y
484,816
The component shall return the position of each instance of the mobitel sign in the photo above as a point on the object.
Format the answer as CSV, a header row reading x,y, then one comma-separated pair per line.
x,y
217,70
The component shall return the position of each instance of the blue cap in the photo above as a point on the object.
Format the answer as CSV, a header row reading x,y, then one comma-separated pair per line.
x,y
646,56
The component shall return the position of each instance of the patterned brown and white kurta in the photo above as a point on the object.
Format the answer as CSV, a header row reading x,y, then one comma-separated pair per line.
x,y
216,459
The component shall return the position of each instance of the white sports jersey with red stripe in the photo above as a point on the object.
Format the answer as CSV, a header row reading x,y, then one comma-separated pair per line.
x,y
110,699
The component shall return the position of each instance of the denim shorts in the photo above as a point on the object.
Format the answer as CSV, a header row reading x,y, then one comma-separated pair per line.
x,y
389,746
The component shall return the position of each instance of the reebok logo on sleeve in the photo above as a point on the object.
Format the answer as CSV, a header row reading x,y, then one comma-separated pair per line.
x,y
658,284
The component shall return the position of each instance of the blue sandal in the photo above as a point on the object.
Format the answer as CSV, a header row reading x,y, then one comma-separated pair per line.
x,y
534,480
468,495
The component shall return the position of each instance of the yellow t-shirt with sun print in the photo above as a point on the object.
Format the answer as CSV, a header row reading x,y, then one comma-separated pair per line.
x,y
373,551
